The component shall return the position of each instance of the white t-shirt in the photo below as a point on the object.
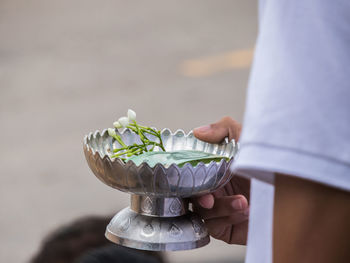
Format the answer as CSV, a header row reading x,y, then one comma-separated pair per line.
x,y
297,118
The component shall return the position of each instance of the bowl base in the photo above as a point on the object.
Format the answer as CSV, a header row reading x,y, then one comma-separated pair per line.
x,y
131,229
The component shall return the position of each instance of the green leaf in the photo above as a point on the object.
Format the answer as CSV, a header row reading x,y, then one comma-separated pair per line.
x,y
179,158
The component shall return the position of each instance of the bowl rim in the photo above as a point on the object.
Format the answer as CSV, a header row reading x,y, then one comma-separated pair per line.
x,y
106,157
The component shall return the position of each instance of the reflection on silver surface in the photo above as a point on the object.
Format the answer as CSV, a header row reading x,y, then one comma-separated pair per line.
x,y
159,206
158,218
172,181
131,229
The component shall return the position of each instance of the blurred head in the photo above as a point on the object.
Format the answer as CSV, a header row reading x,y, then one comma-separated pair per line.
x,y
70,243
116,254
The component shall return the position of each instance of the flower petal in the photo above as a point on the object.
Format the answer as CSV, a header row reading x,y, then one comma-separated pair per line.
x,y
131,115
111,132
124,121
117,124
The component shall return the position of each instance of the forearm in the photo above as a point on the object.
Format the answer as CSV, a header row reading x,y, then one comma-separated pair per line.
x,y
311,222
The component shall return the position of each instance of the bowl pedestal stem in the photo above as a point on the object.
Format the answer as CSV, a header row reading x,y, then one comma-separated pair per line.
x,y
159,206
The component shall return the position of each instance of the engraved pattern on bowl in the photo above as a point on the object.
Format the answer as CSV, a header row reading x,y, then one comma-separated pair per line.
x,y
134,230
159,181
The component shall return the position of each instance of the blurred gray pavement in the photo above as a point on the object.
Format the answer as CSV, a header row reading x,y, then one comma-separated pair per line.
x,y
71,67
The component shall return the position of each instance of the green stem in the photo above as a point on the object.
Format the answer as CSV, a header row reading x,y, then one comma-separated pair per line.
x,y
128,147
145,129
140,126
119,139
134,152
120,149
123,153
142,136
137,149
154,133
161,143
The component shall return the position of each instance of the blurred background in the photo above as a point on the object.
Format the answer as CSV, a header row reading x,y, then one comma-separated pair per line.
x,y
71,67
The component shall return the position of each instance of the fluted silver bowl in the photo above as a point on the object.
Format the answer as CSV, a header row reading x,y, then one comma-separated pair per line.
x,y
159,181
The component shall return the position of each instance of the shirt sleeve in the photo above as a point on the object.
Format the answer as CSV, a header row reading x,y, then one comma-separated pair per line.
x,y
297,118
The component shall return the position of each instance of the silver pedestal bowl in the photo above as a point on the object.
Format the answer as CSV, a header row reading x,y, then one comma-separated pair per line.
x,y
159,217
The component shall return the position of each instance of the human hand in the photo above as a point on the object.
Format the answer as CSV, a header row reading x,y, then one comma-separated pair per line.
x,y
226,211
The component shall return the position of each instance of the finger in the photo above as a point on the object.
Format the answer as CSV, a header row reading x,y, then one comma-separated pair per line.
x,y
215,225
239,234
217,132
231,231
239,185
231,234
220,232
205,201
220,192
224,206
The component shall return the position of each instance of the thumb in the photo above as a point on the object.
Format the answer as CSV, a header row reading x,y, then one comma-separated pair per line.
x,y
205,201
216,132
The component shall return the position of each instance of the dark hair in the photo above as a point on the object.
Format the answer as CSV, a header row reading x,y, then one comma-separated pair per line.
x,y
116,254
72,241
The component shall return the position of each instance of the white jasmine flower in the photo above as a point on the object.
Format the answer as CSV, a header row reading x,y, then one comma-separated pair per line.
x,y
117,124
131,115
123,121
111,132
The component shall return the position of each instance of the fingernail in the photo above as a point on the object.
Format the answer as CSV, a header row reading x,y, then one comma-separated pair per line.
x,y
206,201
237,204
204,204
201,203
203,128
